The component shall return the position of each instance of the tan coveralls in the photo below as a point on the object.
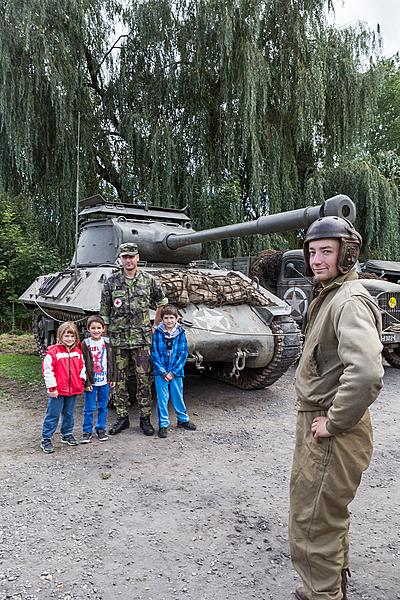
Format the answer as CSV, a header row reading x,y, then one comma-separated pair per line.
x,y
339,375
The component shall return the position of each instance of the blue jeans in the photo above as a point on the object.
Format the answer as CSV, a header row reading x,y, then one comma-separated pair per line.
x,y
99,395
64,406
170,389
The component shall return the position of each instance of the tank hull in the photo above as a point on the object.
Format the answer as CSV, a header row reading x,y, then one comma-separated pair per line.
x,y
230,342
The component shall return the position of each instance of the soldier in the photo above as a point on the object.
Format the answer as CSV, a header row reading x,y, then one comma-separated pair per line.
x,y
339,375
124,307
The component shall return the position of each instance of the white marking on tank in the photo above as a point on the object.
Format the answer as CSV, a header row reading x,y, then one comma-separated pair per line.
x,y
211,319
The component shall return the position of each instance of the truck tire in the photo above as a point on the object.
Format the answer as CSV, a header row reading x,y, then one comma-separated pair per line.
x,y
392,356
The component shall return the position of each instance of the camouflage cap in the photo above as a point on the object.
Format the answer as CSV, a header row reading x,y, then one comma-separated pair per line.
x,y
128,249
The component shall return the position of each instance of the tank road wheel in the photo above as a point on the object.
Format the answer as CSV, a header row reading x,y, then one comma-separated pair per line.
x,y
288,344
43,338
392,356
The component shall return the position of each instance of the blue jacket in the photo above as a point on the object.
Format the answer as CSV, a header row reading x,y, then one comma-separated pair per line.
x,y
173,362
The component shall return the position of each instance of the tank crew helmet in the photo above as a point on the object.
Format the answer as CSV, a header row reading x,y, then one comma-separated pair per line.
x,y
128,249
341,229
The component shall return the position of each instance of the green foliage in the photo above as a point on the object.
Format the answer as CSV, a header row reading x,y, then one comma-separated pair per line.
x,y
17,344
385,132
23,255
43,86
21,368
226,107
383,146
369,171
376,198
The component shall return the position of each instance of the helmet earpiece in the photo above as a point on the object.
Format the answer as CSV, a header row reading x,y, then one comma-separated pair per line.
x,y
348,255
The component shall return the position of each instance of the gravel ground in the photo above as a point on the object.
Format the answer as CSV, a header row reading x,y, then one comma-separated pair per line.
x,y
200,515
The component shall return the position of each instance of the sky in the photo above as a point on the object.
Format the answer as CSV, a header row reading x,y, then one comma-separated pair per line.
x,y
384,12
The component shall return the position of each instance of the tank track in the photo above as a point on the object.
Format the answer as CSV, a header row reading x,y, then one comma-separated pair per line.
x,y
288,345
57,315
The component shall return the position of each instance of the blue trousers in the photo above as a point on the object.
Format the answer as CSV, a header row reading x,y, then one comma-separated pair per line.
x,y
170,390
99,396
64,406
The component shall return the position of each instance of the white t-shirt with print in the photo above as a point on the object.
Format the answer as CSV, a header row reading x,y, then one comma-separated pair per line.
x,y
99,356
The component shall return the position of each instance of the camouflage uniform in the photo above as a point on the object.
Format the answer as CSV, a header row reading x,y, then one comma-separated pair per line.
x,y
125,309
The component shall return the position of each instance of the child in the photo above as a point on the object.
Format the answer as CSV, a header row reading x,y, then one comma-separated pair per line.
x,y
169,353
100,369
64,374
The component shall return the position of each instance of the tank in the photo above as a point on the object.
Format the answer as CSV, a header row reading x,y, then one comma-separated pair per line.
x,y
237,331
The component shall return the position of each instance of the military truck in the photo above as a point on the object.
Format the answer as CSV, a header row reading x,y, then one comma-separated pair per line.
x,y
385,269
237,331
283,273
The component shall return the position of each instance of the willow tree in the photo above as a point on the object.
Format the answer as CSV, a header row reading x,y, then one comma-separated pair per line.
x,y
369,172
47,52
385,131
376,198
227,107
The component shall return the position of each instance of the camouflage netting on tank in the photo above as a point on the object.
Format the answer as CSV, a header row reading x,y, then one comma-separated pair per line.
x,y
366,275
193,287
267,267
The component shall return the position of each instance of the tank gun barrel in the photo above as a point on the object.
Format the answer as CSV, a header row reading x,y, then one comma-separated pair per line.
x,y
340,206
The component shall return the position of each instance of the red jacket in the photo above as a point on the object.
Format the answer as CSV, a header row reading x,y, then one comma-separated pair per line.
x,y
64,370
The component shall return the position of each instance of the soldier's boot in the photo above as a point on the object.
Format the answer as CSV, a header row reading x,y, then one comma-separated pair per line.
x,y
345,574
120,424
300,593
146,426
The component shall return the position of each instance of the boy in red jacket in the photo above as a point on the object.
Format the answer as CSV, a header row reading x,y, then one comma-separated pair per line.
x,y
64,374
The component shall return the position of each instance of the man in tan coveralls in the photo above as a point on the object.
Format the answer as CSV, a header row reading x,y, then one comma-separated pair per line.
x,y
339,375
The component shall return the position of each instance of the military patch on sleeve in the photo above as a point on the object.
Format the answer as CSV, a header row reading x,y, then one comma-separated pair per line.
x,y
117,302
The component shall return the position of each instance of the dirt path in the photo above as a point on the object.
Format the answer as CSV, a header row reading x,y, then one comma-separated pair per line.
x,y
200,515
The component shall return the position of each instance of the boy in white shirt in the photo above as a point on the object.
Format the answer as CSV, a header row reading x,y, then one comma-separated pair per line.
x,y
100,370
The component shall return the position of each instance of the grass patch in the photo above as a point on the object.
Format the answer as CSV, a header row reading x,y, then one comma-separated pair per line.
x,y
21,367
17,344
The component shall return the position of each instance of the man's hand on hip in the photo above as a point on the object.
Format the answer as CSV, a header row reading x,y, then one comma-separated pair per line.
x,y
318,428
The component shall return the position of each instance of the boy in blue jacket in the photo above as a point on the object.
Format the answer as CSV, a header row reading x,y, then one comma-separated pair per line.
x,y
169,352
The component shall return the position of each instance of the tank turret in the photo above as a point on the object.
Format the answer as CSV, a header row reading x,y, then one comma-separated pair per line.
x,y
237,331
106,225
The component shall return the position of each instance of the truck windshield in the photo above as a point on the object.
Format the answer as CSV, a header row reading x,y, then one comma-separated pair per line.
x,y
294,268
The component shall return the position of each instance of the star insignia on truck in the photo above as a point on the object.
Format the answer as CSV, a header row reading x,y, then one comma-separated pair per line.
x,y
298,300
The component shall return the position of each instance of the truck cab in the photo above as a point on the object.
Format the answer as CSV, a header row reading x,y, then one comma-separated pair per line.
x,y
296,289
293,285
386,269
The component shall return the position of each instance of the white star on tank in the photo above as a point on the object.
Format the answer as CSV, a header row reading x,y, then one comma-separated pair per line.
x,y
211,320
